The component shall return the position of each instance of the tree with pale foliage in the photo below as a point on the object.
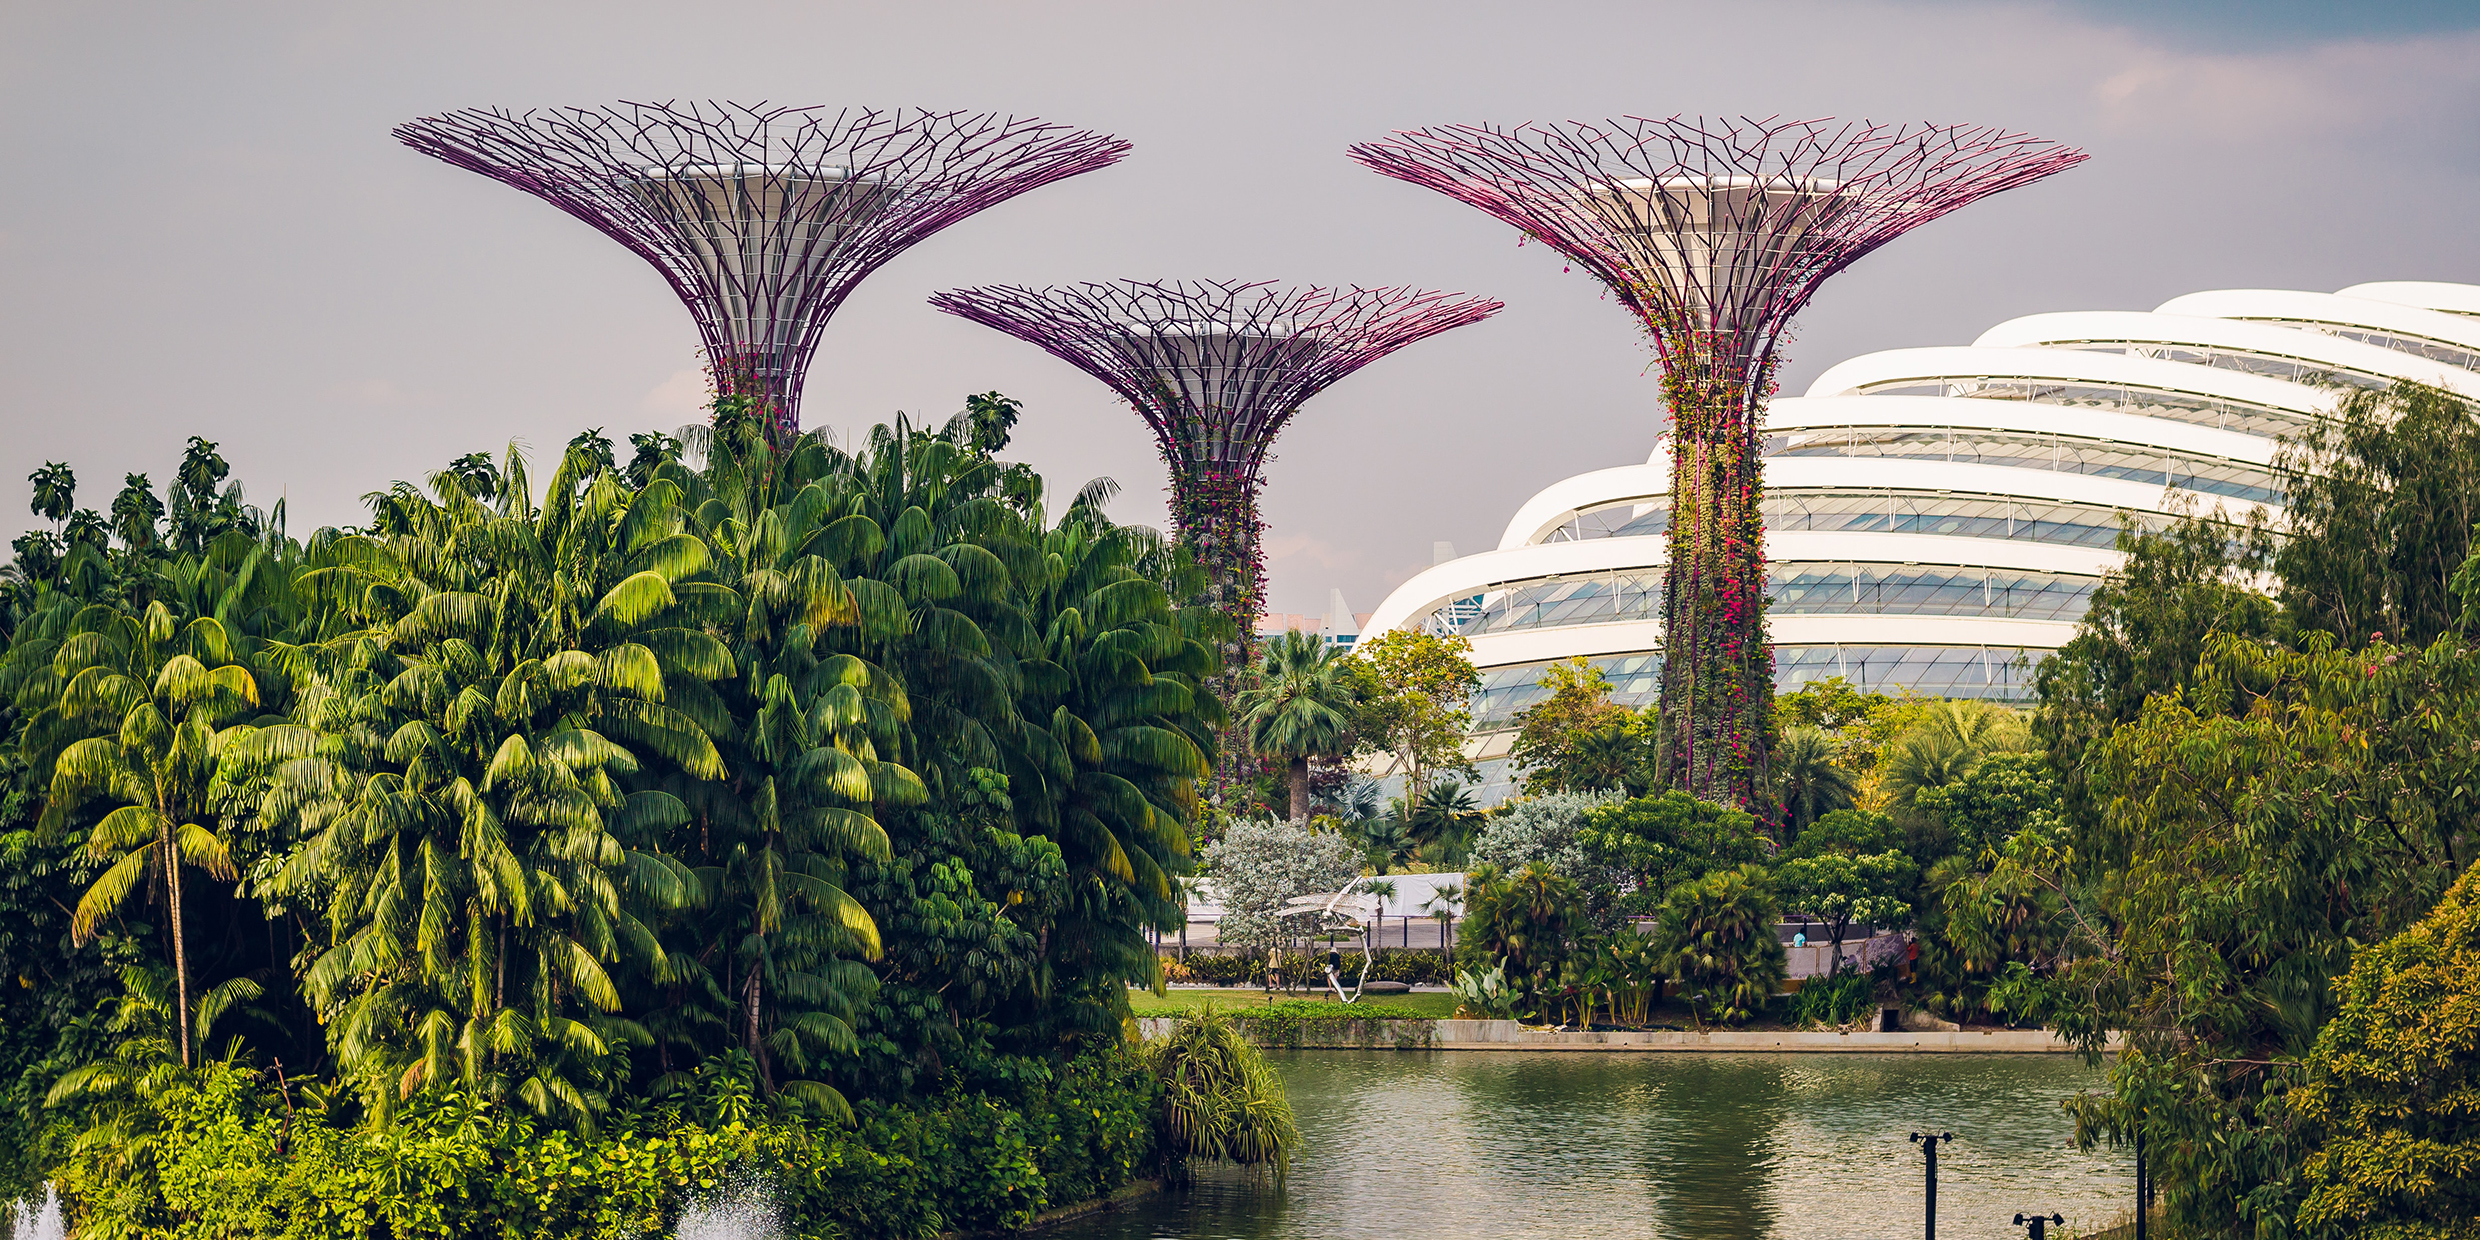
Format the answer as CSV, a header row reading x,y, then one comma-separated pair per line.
x,y
1259,867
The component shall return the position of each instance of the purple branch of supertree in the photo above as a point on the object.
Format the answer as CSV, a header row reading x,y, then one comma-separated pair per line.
x,y
1721,229
1216,368
763,219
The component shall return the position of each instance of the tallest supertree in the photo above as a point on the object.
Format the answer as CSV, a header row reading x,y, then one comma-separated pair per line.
x,y
1714,234
763,219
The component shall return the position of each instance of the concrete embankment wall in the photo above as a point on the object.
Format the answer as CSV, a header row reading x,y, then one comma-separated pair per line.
x,y
1507,1035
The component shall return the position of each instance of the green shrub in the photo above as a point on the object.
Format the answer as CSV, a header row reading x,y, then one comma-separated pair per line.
x,y
449,1166
1837,1000
1717,938
1415,967
2388,1106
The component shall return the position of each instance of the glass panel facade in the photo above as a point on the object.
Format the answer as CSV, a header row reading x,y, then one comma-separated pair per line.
x,y
1795,589
2400,342
2251,484
1925,590
1892,511
1635,680
2214,411
2270,365
1962,516
1999,673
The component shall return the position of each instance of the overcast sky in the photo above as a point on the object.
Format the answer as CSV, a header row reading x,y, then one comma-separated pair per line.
x,y
207,230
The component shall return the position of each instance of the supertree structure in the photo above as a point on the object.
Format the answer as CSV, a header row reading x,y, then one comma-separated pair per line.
x,y
1715,234
763,219
1217,369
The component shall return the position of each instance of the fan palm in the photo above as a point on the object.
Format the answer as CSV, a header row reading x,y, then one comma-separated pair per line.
x,y
1949,741
1812,785
1444,822
1297,711
1387,843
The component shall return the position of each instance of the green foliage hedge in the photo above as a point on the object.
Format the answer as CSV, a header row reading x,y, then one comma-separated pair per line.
x,y
1414,967
225,1163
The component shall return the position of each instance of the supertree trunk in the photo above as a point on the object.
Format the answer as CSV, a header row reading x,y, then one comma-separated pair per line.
x,y
1214,515
1714,234
1717,700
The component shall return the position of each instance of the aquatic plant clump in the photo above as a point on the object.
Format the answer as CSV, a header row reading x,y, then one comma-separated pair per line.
x,y
1220,1101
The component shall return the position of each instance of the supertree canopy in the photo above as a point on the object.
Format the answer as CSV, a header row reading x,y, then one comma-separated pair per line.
x,y
1715,234
1217,369
763,219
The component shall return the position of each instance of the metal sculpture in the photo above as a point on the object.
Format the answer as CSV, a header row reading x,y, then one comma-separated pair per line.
x,y
1715,234
1217,369
763,219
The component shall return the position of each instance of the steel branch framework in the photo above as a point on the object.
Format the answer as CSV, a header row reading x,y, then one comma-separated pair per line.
x,y
763,219
1217,369
1716,233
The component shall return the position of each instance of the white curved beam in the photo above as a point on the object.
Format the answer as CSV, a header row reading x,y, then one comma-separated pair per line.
x,y
1492,651
2286,305
1480,574
1562,502
2313,348
2066,366
1557,504
2032,417
2426,294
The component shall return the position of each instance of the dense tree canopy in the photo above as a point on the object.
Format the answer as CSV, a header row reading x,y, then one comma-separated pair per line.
x,y
847,774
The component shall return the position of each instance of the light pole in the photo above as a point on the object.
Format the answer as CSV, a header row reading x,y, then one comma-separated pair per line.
x,y
2039,1223
1928,1143
2144,1183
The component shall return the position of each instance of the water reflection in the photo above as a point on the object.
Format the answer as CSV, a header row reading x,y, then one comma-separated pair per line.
x,y
1715,1147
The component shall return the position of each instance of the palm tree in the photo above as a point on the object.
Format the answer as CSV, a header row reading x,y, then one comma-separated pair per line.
x,y
1387,843
1117,674
1812,785
1614,756
1297,711
1444,822
488,676
165,698
55,492
1441,906
1717,937
1949,741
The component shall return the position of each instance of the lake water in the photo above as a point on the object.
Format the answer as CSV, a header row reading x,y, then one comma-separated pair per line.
x,y
1444,1145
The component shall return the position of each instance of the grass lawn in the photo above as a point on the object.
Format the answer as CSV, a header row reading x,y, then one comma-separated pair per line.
x,y
1145,1003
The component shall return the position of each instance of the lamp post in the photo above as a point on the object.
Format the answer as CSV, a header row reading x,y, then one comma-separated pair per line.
x,y
2039,1223
1928,1143
2144,1183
